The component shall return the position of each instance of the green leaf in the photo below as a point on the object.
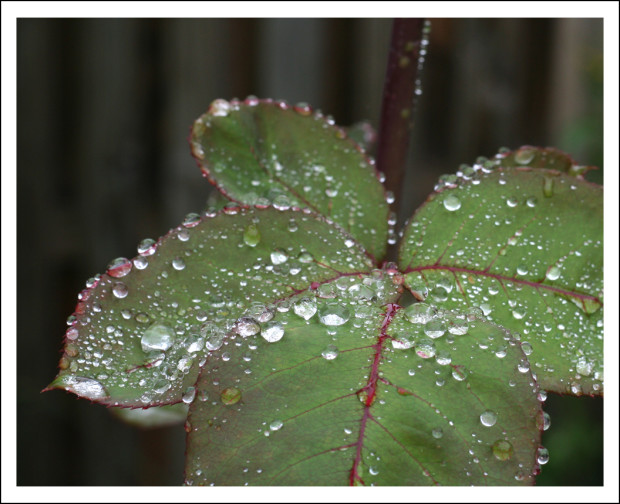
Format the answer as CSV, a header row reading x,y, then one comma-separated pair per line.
x,y
263,152
141,330
377,400
525,247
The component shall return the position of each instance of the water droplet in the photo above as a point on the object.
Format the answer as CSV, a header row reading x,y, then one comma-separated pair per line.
x,y
119,267
459,373
458,326
524,156
527,348
532,201
272,332
488,418
189,395
548,187
451,203
305,257
120,290
523,366
553,273
584,367
425,349
230,396
161,386
276,425
157,337
543,421
522,269
140,262
443,358
435,328
305,308
402,342
247,326
251,236
72,333
437,433
219,108
333,314
542,456
191,220
502,450
278,257
419,313
330,353
373,470
178,264
147,247
83,386
512,202
501,352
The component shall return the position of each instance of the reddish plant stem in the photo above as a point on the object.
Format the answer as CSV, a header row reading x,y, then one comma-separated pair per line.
x,y
398,102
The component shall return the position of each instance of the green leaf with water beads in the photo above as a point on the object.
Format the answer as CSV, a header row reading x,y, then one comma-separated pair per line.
x,y
524,246
140,332
365,397
264,152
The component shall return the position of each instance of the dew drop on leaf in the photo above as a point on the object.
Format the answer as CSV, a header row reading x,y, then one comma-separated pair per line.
x,y
419,313
119,267
161,386
157,337
524,156
189,395
542,455
247,326
178,264
278,257
120,290
451,203
502,450
230,396
330,353
584,367
191,220
435,328
276,425
251,236
437,433
305,308
425,349
488,418
333,314
548,187
553,273
272,332
147,247
83,386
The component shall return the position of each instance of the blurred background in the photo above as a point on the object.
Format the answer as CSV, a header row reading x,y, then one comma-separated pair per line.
x,y
104,110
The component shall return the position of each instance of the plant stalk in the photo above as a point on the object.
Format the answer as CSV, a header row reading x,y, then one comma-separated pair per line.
x,y
398,105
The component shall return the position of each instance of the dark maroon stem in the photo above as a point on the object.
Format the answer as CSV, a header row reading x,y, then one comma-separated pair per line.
x,y
398,102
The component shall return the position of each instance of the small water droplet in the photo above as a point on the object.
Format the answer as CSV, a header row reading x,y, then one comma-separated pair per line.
x,y
305,308
451,203
527,348
524,156
120,290
230,396
443,358
542,455
333,314
272,331
435,328
502,450
437,433
548,187
553,273
178,264
189,395
330,353
276,425
219,108
523,366
246,326
147,247
119,267
425,349
488,418
278,257
157,337
191,220
584,367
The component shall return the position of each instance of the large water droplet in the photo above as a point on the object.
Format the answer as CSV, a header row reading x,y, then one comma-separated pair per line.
x,y
157,337
584,367
247,326
119,267
451,203
542,455
419,313
437,433
435,328
251,236
83,386
305,308
120,290
279,257
189,395
330,353
147,247
502,450
488,418
524,156
553,273
276,425
230,396
333,314
272,331
425,349
219,108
